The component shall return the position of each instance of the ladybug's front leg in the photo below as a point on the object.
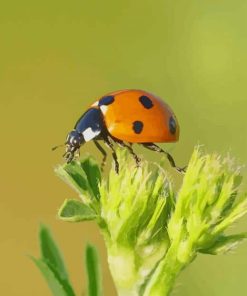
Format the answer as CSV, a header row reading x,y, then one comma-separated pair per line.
x,y
103,153
77,154
114,155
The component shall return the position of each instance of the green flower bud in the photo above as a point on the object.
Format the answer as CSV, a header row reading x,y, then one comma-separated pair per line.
x,y
151,231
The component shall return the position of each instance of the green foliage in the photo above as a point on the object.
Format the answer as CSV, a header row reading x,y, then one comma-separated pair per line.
x,y
84,178
207,204
53,282
75,211
52,267
50,252
93,272
151,231
93,174
224,244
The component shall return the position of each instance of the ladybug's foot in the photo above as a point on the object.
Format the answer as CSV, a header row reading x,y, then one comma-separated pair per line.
x,y
68,156
102,166
116,167
77,154
136,158
114,155
181,170
129,147
156,148
138,161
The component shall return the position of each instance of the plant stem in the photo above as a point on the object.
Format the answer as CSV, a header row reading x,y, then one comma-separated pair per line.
x,y
163,278
123,269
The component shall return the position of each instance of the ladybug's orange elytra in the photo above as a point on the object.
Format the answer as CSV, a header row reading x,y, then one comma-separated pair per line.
x,y
157,122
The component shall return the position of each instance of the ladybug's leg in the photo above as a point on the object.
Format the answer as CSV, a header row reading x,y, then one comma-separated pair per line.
x,y
114,155
77,154
136,158
103,153
156,148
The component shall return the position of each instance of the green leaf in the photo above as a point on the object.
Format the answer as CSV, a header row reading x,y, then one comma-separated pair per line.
x,y
50,252
92,171
225,244
73,174
53,282
93,271
74,210
84,176
52,257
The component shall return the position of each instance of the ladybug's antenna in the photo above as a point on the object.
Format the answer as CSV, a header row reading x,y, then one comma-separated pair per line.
x,y
58,146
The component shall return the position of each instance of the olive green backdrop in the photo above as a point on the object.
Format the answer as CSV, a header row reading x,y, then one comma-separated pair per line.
x,y
56,57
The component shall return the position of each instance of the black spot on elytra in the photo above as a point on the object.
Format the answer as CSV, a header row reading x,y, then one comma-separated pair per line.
x,y
106,100
137,126
172,125
146,102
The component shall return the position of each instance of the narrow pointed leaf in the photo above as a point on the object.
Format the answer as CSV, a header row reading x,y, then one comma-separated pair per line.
x,y
52,257
225,244
53,282
74,210
93,271
50,252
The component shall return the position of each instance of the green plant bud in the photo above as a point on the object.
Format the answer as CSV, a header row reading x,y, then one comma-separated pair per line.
x,y
151,231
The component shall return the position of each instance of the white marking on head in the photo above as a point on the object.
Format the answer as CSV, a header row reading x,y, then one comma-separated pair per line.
x,y
95,104
103,109
89,134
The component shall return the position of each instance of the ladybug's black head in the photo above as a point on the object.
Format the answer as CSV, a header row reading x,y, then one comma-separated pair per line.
x,y
73,142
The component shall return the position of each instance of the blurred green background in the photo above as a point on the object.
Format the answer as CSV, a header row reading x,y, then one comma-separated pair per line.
x,y
56,57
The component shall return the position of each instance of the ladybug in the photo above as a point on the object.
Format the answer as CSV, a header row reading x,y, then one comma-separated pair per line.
x,y
125,117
